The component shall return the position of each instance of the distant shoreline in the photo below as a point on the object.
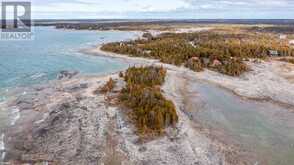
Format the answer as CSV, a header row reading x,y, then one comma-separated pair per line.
x,y
163,21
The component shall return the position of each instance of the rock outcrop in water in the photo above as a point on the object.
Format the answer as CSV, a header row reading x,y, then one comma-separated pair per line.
x,y
66,74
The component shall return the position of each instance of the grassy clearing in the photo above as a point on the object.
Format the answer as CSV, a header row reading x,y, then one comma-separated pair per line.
x,y
151,112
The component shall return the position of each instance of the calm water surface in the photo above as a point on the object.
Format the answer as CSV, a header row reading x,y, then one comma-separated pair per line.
x,y
265,129
27,62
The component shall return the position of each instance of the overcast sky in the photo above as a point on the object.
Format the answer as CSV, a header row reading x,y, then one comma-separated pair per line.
x,y
189,9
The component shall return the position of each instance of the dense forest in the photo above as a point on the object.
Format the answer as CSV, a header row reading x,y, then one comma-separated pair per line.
x,y
286,29
151,112
223,51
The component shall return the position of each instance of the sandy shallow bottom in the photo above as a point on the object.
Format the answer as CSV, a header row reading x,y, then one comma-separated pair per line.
x,y
268,80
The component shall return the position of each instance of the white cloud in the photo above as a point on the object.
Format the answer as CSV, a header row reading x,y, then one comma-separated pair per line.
x,y
168,8
261,4
110,6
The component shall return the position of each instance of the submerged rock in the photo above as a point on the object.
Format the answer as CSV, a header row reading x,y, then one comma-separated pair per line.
x,y
76,87
66,74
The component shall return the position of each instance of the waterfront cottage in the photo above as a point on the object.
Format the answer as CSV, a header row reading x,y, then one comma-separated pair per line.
x,y
216,63
206,61
283,37
194,64
273,53
195,58
193,44
147,51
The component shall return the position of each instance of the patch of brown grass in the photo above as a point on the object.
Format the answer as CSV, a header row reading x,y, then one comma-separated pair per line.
x,y
108,87
289,60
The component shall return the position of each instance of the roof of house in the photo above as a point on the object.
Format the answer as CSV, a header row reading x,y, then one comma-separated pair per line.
x,y
273,52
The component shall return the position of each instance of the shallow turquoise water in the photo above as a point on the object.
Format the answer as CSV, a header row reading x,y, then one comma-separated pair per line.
x,y
263,128
24,63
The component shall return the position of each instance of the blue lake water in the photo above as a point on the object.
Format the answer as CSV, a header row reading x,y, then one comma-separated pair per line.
x,y
24,63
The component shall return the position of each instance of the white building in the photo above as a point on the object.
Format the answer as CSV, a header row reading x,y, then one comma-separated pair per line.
x,y
283,37
273,53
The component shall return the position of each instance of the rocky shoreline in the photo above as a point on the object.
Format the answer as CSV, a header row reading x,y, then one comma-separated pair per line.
x,y
65,122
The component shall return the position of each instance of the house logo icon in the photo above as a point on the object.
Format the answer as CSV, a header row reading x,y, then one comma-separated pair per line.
x,y
20,17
